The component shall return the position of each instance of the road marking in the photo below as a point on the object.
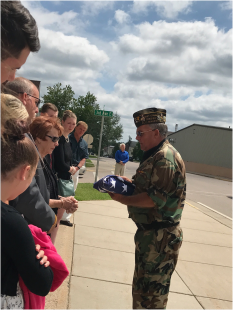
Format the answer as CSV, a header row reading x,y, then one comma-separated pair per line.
x,y
192,205
208,193
112,172
215,211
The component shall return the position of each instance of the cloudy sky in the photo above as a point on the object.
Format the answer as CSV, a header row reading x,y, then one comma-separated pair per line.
x,y
138,54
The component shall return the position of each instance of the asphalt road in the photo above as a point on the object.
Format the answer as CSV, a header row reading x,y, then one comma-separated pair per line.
x,y
214,193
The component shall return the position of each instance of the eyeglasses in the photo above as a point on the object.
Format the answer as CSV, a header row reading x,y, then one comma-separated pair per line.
x,y
140,133
54,139
36,102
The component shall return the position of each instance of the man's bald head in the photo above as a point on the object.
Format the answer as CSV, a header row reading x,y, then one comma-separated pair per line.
x,y
17,86
26,91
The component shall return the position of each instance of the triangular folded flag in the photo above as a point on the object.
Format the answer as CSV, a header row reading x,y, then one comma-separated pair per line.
x,y
114,184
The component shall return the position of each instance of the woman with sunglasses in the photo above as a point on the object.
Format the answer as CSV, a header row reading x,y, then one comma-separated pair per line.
x,y
46,132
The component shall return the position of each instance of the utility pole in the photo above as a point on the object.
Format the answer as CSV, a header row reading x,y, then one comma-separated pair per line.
x,y
103,114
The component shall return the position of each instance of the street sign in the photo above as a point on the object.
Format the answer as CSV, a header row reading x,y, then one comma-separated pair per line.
x,y
88,138
104,113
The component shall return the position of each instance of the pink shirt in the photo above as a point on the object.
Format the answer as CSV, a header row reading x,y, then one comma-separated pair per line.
x,y
58,266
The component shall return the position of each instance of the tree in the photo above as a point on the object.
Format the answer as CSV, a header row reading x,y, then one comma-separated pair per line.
x,y
127,144
112,130
63,98
137,152
116,148
84,108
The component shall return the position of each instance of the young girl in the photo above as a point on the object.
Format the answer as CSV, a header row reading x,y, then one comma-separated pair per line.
x,y
18,255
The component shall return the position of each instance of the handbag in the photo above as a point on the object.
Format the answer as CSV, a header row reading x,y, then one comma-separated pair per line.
x,y
65,188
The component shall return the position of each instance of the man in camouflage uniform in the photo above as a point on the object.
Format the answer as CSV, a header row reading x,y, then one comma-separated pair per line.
x,y
156,207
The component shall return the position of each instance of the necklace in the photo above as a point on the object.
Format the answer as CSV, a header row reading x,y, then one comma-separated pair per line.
x,y
67,139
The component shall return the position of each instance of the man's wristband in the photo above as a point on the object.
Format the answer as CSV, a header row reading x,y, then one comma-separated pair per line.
x,y
78,167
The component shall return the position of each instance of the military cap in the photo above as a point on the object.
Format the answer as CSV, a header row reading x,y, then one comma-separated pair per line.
x,y
149,116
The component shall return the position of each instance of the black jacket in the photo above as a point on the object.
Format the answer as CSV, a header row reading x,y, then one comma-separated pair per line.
x,y
63,159
34,202
18,256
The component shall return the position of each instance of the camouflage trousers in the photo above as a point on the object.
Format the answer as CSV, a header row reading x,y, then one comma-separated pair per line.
x,y
156,254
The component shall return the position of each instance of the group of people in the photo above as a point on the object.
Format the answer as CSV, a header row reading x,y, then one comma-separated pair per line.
x,y
40,156
50,137
40,162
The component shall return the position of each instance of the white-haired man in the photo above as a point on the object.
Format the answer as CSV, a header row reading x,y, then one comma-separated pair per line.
x,y
122,157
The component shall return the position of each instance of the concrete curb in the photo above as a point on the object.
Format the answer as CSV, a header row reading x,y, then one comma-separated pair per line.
x,y
210,176
64,245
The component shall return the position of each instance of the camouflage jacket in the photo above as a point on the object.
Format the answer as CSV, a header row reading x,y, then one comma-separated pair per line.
x,y
162,177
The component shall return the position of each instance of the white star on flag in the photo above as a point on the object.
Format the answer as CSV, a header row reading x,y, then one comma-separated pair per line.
x,y
124,188
113,182
104,180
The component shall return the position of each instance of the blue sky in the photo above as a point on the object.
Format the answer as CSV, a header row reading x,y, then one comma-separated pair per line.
x,y
133,55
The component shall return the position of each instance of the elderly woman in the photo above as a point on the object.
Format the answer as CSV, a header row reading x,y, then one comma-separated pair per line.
x,y
46,132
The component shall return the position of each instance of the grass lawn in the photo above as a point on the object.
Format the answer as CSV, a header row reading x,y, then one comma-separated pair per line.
x,y
85,191
92,156
89,163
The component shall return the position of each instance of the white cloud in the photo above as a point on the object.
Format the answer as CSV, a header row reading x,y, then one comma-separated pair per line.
x,y
94,7
56,2
66,22
184,67
146,91
69,59
70,51
121,17
226,5
167,9
210,109
183,53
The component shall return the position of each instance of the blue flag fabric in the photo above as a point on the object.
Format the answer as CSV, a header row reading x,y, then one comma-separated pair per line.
x,y
114,184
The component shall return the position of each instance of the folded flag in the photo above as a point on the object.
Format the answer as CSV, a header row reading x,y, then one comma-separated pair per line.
x,y
114,184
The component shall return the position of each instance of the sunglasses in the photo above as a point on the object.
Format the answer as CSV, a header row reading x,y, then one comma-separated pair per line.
x,y
36,102
140,133
54,139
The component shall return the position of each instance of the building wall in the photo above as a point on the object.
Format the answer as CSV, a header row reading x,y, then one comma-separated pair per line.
x,y
209,170
108,150
130,151
205,149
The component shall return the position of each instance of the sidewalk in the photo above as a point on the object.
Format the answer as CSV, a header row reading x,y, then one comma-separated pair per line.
x,y
103,260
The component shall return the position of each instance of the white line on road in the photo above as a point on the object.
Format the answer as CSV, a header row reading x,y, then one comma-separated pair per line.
x,y
211,193
112,172
215,211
